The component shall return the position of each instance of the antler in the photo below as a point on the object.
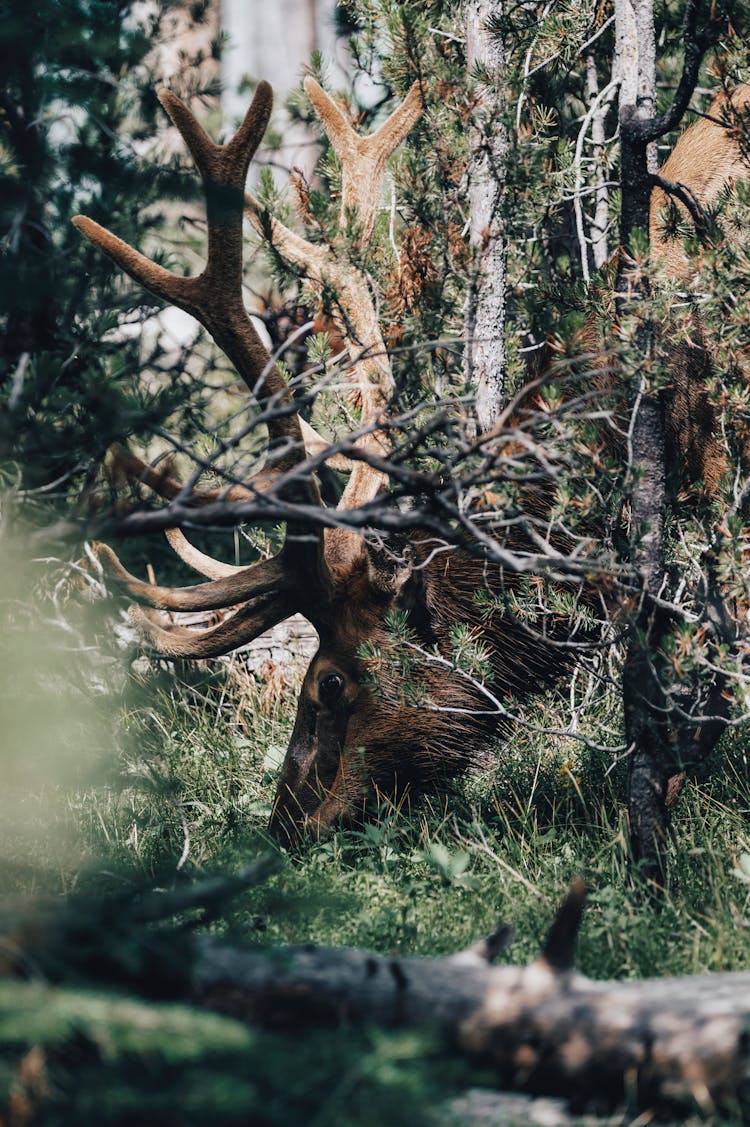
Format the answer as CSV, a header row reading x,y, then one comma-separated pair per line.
x,y
297,578
363,161
270,590
214,297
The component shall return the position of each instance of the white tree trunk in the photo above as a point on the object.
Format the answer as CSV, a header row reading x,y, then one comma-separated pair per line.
x,y
600,218
485,356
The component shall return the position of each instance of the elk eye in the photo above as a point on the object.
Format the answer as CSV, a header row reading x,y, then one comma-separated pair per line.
x,y
330,688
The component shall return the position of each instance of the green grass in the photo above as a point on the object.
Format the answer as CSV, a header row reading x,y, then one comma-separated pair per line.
x,y
197,784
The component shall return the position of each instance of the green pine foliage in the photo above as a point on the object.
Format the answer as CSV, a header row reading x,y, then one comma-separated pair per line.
x,y
102,1060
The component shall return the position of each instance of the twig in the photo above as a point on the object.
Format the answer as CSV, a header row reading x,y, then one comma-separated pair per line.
x,y
686,196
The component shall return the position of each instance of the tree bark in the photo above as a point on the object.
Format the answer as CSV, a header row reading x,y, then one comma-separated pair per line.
x,y
600,219
485,355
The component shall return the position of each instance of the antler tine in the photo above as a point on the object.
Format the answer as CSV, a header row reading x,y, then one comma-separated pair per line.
x,y
167,486
224,171
293,247
249,622
394,129
363,159
162,483
171,287
198,561
339,131
222,163
257,578
119,458
260,578
201,147
316,444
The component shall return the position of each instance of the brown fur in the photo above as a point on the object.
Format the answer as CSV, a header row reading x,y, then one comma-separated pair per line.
x,y
705,159
403,735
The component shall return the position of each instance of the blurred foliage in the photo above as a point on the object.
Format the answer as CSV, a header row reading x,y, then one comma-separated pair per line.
x,y
121,831
57,715
72,1057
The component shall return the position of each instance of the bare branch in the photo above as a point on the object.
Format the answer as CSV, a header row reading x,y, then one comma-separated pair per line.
x,y
686,197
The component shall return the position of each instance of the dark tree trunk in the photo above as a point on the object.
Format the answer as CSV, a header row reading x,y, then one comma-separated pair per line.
x,y
646,714
659,734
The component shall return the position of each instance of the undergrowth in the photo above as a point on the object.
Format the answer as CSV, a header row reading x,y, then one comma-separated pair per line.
x,y
196,787
192,762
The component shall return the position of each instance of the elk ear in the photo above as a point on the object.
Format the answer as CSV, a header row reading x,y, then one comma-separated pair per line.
x,y
390,564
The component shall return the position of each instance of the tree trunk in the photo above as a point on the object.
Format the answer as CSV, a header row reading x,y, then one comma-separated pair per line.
x,y
600,219
645,704
660,728
485,357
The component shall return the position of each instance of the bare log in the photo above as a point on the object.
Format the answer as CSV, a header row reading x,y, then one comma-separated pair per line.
x,y
662,1044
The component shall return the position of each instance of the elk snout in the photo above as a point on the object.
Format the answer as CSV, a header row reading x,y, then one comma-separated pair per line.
x,y
313,757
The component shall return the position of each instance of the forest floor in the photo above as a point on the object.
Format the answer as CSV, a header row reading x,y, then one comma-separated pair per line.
x,y
196,765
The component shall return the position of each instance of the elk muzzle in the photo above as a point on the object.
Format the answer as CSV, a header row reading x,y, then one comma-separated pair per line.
x,y
309,774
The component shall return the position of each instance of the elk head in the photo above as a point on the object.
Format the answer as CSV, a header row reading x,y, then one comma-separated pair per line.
x,y
344,735
384,713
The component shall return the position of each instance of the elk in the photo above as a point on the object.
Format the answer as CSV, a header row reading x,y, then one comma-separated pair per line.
x,y
350,737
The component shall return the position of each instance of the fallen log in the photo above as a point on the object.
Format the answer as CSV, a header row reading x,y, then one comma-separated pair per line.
x,y
659,1044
